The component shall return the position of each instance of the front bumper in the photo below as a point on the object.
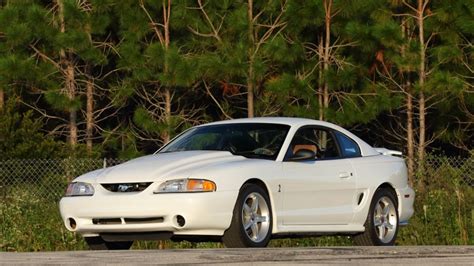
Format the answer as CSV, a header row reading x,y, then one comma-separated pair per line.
x,y
207,213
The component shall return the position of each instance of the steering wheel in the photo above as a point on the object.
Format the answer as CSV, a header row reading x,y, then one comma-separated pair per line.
x,y
263,151
228,146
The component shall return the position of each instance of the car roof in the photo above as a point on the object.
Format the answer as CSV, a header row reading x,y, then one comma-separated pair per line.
x,y
295,123
291,121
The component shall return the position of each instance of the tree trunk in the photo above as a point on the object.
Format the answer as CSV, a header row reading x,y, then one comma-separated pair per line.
x,y
89,110
2,99
250,90
69,78
422,78
321,77
71,94
250,74
166,134
327,43
409,110
90,91
410,137
166,22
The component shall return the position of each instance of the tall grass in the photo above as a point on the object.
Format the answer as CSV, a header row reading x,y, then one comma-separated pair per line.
x,y
32,223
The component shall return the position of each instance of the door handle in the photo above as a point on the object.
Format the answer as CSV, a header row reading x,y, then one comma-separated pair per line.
x,y
345,174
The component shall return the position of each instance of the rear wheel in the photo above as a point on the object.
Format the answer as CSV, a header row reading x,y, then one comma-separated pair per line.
x,y
381,226
97,243
251,224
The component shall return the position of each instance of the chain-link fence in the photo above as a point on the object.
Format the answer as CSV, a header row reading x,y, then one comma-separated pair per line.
x,y
49,177
439,171
31,189
45,177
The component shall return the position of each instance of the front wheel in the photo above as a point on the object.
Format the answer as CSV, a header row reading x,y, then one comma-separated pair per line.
x,y
97,243
251,224
381,226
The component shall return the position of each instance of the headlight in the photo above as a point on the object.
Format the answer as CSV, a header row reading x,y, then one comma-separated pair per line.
x,y
79,189
186,185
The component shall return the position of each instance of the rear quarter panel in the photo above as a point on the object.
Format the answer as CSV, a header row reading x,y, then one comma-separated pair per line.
x,y
372,172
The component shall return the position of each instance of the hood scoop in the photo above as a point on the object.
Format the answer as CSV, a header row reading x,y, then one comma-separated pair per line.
x,y
126,187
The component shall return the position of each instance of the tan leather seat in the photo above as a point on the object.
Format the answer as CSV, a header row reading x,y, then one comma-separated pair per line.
x,y
310,147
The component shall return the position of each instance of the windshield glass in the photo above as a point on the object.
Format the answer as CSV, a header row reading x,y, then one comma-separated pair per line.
x,y
251,140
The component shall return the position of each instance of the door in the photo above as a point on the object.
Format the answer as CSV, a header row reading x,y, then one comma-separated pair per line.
x,y
319,191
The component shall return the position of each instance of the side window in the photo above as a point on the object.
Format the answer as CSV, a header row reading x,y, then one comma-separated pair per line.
x,y
349,148
317,140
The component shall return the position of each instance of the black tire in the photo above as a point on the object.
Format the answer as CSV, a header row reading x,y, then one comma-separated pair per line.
x,y
370,236
238,237
97,243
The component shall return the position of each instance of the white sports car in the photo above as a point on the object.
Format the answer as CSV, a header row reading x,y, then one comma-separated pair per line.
x,y
245,181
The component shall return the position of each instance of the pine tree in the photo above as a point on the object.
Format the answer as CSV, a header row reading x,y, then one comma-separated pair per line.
x,y
327,40
60,45
133,73
415,63
235,37
157,68
22,77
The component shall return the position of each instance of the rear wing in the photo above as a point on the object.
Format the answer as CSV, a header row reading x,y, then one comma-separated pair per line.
x,y
388,152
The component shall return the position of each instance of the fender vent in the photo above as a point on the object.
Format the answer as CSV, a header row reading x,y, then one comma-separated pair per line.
x,y
361,197
126,187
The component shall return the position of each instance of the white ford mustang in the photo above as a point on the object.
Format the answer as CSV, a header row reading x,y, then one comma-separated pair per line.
x,y
245,181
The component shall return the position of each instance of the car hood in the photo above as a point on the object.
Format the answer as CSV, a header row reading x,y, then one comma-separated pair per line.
x,y
159,167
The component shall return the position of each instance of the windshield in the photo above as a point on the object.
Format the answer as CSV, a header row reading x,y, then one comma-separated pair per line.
x,y
251,140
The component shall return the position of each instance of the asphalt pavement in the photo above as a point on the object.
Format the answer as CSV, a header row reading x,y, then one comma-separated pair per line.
x,y
406,255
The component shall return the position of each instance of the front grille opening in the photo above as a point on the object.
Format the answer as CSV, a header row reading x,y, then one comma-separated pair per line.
x,y
126,187
148,220
109,221
106,221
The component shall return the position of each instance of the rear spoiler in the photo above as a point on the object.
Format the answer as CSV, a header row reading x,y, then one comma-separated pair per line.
x,y
385,151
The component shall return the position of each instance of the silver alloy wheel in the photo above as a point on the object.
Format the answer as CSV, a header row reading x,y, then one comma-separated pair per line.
x,y
385,219
256,217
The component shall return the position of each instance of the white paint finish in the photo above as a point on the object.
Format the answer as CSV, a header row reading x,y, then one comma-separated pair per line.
x,y
209,211
315,196
374,171
405,208
314,192
163,166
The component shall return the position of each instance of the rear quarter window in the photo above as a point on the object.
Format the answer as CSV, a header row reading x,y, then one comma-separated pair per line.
x,y
349,148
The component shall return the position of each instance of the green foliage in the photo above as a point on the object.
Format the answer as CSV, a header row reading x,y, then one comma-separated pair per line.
x,y
443,209
21,136
122,145
145,120
41,219
60,101
120,48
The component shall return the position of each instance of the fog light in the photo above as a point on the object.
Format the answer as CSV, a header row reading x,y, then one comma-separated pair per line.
x,y
180,220
72,223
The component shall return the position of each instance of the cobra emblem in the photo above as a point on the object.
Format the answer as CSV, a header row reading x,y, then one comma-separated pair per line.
x,y
123,188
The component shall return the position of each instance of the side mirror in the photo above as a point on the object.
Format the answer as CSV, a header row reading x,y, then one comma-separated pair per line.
x,y
302,155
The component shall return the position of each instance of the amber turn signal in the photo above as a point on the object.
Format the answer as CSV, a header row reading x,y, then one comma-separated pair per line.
x,y
200,185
